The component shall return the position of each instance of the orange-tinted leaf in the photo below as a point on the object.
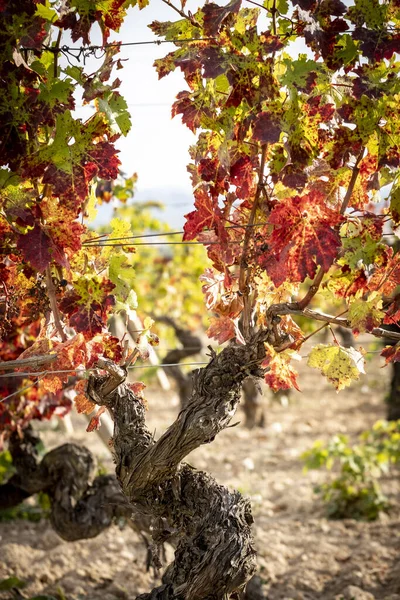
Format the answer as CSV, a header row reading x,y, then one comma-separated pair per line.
x,y
94,423
83,404
223,329
391,353
51,384
281,375
137,387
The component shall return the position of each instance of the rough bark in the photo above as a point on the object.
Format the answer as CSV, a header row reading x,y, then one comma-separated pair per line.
x,y
252,405
215,555
81,505
393,399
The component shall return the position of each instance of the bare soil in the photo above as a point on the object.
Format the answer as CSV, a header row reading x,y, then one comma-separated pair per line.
x,y
301,554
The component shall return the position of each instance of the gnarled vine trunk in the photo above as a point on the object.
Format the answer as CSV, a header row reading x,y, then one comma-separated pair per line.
x,y
215,555
211,525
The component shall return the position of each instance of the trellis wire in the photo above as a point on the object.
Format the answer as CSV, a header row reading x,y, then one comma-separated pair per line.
x,y
160,234
77,370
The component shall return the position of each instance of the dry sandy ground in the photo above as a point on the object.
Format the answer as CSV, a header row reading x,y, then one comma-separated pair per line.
x,y
302,555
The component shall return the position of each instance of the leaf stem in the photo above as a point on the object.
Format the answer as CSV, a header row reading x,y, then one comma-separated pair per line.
x,y
181,13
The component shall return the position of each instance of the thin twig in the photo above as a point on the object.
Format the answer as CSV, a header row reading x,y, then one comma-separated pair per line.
x,y
292,309
181,13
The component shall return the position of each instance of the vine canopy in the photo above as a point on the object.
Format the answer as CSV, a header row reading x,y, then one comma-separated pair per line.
x,y
294,173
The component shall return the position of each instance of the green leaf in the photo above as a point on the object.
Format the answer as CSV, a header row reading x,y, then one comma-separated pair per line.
x,y
297,71
58,91
122,274
116,111
45,12
75,72
10,583
341,366
364,314
348,50
395,204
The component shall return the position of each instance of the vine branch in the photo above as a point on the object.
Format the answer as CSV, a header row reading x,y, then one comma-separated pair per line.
x,y
243,269
293,309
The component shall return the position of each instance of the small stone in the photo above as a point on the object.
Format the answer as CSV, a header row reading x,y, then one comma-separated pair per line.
x,y
248,463
353,592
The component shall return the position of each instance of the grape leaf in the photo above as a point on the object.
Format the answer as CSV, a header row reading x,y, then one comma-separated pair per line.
x,y
94,423
39,250
215,15
266,129
280,375
341,366
206,216
365,314
223,329
304,234
391,353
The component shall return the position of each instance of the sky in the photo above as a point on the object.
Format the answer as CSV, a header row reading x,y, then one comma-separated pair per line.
x,y
156,148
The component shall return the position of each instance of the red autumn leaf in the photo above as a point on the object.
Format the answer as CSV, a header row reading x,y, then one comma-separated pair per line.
x,y
86,321
304,235
94,423
277,268
39,250
137,387
267,128
112,348
35,35
215,15
186,106
206,216
391,353
104,155
385,279
221,329
393,312
242,175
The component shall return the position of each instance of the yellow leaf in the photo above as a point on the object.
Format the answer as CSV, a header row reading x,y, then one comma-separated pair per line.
x,y
340,365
